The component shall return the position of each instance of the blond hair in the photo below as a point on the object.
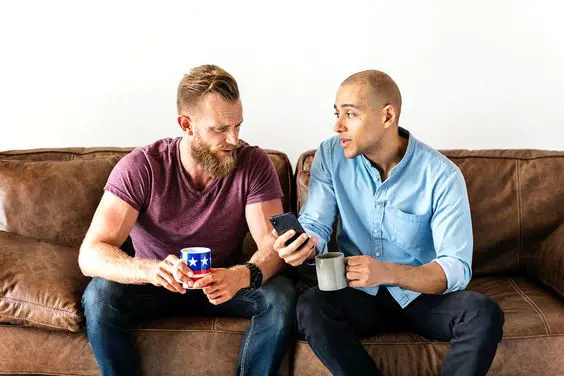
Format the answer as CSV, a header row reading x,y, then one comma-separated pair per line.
x,y
203,80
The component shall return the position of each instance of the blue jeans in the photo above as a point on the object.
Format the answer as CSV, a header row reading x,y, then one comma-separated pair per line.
x,y
110,307
333,322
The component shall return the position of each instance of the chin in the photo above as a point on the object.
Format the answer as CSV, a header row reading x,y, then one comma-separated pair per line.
x,y
349,153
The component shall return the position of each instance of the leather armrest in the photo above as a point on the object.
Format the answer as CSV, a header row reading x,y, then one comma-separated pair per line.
x,y
550,261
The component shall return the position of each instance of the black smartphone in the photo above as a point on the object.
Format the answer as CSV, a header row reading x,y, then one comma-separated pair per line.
x,y
286,222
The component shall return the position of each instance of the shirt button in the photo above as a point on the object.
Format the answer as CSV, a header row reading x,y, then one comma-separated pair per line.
x,y
377,253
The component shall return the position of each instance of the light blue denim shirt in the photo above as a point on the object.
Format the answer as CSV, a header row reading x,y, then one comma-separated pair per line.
x,y
419,214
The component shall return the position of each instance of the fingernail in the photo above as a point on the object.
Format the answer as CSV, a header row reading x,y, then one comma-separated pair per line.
x,y
292,232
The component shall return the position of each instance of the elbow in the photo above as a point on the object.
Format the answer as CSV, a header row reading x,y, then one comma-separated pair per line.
x,y
83,259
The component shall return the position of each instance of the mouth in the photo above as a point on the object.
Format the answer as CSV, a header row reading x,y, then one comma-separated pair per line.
x,y
345,142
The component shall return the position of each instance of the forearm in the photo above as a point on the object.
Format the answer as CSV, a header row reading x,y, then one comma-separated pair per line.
x,y
428,278
267,259
106,261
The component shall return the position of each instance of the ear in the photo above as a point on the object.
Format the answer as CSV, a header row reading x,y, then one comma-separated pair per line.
x,y
185,123
389,115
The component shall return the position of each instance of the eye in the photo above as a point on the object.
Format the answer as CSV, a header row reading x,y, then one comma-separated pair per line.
x,y
220,129
336,115
349,114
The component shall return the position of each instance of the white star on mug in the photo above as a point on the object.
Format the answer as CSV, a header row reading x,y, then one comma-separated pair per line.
x,y
205,261
192,261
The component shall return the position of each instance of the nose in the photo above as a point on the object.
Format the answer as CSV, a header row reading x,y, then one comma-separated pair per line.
x,y
339,127
233,137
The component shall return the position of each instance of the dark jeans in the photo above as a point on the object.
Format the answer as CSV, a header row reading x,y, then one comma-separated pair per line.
x,y
109,308
333,323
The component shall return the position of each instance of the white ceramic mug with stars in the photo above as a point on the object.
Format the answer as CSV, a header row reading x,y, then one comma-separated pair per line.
x,y
198,259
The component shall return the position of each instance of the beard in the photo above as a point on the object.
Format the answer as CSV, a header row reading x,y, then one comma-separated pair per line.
x,y
208,157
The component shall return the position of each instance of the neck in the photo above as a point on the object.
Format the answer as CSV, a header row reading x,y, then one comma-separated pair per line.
x,y
196,175
388,152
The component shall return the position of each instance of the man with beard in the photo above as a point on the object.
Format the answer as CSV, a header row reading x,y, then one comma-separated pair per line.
x,y
203,189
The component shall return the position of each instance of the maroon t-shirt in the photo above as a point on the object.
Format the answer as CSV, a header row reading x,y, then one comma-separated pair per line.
x,y
173,215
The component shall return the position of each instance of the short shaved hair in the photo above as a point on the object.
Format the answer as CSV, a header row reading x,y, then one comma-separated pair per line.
x,y
381,86
202,80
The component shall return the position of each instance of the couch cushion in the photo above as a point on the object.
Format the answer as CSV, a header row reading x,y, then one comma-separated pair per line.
x,y
52,201
533,315
210,345
40,283
515,199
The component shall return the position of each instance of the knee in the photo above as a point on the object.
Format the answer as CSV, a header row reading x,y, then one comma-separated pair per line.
x,y
488,316
279,298
98,299
309,308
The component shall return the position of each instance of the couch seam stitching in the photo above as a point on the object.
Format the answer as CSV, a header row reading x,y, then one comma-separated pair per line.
x,y
40,305
531,303
519,216
35,322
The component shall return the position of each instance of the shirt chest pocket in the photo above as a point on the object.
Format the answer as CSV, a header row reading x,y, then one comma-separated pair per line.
x,y
409,231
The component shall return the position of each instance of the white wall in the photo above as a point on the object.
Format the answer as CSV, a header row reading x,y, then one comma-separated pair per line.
x,y
473,74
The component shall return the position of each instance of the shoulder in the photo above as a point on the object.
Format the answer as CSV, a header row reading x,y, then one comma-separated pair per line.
x,y
252,157
436,163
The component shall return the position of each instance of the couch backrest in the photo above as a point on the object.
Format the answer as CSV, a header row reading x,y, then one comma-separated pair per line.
x,y
516,198
51,194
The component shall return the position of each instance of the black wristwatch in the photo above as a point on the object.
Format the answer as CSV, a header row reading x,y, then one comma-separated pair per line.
x,y
256,276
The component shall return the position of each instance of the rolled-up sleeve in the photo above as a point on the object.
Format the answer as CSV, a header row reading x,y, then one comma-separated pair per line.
x,y
452,231
319,212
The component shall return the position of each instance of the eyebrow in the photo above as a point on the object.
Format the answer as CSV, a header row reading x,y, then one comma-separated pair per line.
x,y
227,126
346,105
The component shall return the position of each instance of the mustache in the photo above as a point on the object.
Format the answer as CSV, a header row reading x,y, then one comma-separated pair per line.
x,y
225,146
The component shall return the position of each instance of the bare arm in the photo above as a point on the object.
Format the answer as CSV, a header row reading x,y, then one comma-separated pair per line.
x,y
366,271
265,257
100,255
428,278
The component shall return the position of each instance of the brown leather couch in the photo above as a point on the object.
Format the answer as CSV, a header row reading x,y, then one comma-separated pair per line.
x,y
48,196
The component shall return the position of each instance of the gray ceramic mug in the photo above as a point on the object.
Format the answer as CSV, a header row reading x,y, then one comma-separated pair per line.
x,y
330,268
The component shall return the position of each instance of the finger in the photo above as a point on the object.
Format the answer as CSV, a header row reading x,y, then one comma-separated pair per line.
x,y
219,300
164,283
275,233
354,276
354,268
357,284
291,248
171,259
212,289
354,260
182,272
281,241
215,295
307,249
205,280
171,281
298,257
182,267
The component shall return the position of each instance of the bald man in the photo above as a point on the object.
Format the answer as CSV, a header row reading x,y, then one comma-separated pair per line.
x,y
406,231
